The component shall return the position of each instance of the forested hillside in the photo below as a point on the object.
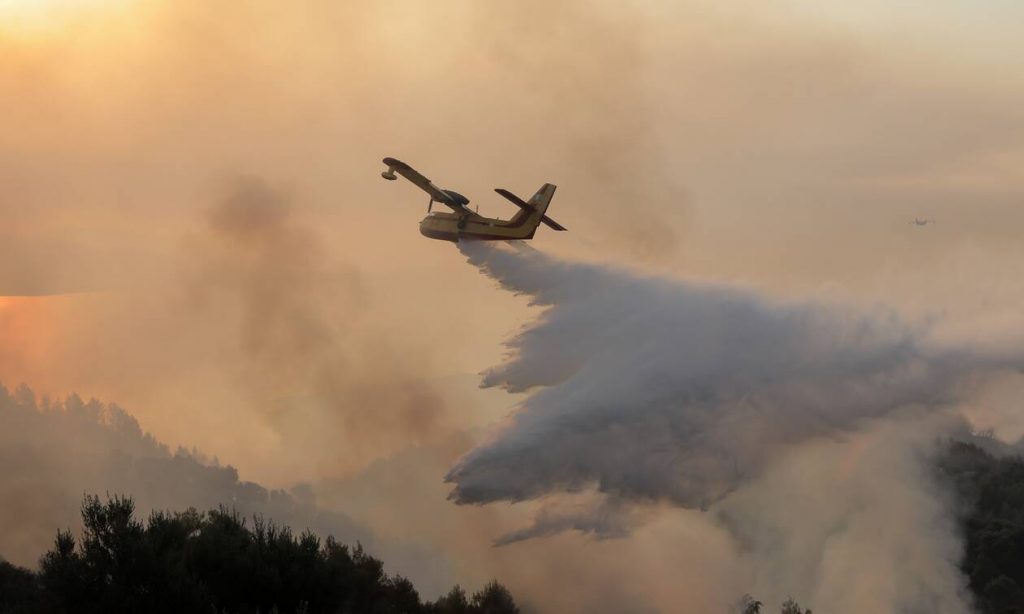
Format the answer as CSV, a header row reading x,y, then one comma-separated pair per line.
x,y
990,493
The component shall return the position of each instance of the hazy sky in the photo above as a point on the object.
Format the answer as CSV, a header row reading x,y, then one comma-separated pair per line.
x,y
193,225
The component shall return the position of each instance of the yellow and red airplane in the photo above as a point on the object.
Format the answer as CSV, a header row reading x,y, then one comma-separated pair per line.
x,y
466,224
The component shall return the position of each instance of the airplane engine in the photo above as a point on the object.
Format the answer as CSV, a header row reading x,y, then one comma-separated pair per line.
x,y
458,198
389,174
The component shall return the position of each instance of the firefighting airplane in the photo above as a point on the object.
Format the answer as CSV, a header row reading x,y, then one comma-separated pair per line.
x,y
466,224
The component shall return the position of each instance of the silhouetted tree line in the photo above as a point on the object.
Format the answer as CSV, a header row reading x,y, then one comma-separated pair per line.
x,y
215,563
990,489
749,605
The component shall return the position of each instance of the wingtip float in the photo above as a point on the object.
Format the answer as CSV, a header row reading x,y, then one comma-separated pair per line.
x,y
465,224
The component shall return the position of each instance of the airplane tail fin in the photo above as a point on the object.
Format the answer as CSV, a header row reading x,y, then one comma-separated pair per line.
x,y
533,212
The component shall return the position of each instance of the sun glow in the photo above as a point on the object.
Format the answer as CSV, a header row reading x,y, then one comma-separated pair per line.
x,y
28,7
33,17
25,337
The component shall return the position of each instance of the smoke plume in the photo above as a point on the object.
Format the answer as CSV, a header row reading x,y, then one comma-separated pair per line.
x,y
805,426
658,390
305,354
860,525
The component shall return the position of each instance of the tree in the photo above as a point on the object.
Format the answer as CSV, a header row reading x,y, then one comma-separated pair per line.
x,y
990,490
792,607
455,602
494,599
749,605
20,591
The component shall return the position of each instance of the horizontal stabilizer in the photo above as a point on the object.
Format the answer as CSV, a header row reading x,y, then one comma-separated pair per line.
x,y
552,223
522,204
519,202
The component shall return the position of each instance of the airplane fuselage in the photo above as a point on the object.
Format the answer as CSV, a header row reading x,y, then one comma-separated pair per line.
x,y
455,227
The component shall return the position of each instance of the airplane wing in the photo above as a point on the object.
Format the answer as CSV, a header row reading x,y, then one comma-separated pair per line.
x,y
436,193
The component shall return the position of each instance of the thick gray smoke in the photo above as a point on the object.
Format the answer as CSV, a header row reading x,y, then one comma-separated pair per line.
x,y
328,382
661,390
855,526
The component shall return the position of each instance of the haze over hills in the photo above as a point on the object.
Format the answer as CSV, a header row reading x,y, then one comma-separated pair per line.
x,y
54,451
735,374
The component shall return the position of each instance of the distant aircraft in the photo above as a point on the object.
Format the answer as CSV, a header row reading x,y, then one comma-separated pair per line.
x,y
920,222
465,224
